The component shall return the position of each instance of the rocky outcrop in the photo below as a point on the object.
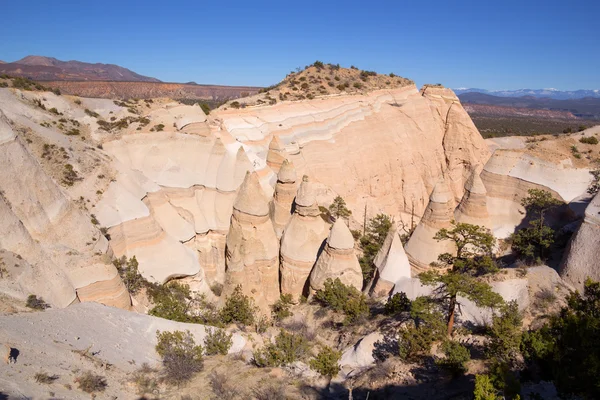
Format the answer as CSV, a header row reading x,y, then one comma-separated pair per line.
x,y
392,264
40,224
422,249
473,206
510,173
276,155
337,260
321,138
252,247
582,258
283,197
301,242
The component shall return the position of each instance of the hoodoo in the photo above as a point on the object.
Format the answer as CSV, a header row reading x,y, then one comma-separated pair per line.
x,y
337,260
422,249
473,206
301,241
392,264
252,246
276,154
283,197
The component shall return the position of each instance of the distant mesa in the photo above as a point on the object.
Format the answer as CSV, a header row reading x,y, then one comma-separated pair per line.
x,y
48,68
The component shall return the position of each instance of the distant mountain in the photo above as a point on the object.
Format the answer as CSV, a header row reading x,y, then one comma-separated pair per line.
x,y
50,69
586,108
539,93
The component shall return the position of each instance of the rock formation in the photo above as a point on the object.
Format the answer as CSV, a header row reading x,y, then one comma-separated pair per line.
x,y
383,124
283,198
301,241
252,247
337,260
473,206
276,155
422,249
392,264
40,224
582,258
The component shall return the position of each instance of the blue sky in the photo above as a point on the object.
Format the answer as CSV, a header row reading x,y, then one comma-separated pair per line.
x,y
486,44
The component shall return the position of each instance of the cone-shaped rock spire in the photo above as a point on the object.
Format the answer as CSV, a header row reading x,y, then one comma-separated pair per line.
x,y
276,154
392,264
422,249
473,206
283,197
302,238
252,247
337,260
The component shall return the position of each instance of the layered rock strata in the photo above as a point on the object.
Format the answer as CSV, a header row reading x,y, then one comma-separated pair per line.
x,y
283,197
422,249
473,207
301,242
337,260
252,252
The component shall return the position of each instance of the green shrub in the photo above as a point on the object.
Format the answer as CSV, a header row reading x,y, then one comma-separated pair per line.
x,y
54,111
91,113
130,274
505,334
343,298
397,303
426,327
358,85
375,233
281,309
171,301
217,341
288,347
484,390
319,65
238,308
90,382
235,104
326,362
36,303
181,357
589,140
205,108
456,358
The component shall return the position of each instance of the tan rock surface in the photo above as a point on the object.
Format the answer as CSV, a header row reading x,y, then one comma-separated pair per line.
x,y
582,258
252,255
301,242
473,208
337,260
283,197
422,249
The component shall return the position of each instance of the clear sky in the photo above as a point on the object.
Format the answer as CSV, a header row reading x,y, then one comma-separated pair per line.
x,y
501,44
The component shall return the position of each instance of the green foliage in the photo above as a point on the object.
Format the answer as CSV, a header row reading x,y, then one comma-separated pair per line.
x,y
567,349
235,104
345,299
326,362
288,347
238,308
426,327
532,242
338,208
397,303
130,274
181,357
205,108
36,303
91,113
589,140
456,358
70,176
375,232
42,377
217,341
484,389
171,301
504,379
505,334
281,309
474,245
319,65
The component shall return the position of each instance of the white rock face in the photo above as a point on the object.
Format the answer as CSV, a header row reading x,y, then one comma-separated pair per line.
x,y
582,258
38,222
392,264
